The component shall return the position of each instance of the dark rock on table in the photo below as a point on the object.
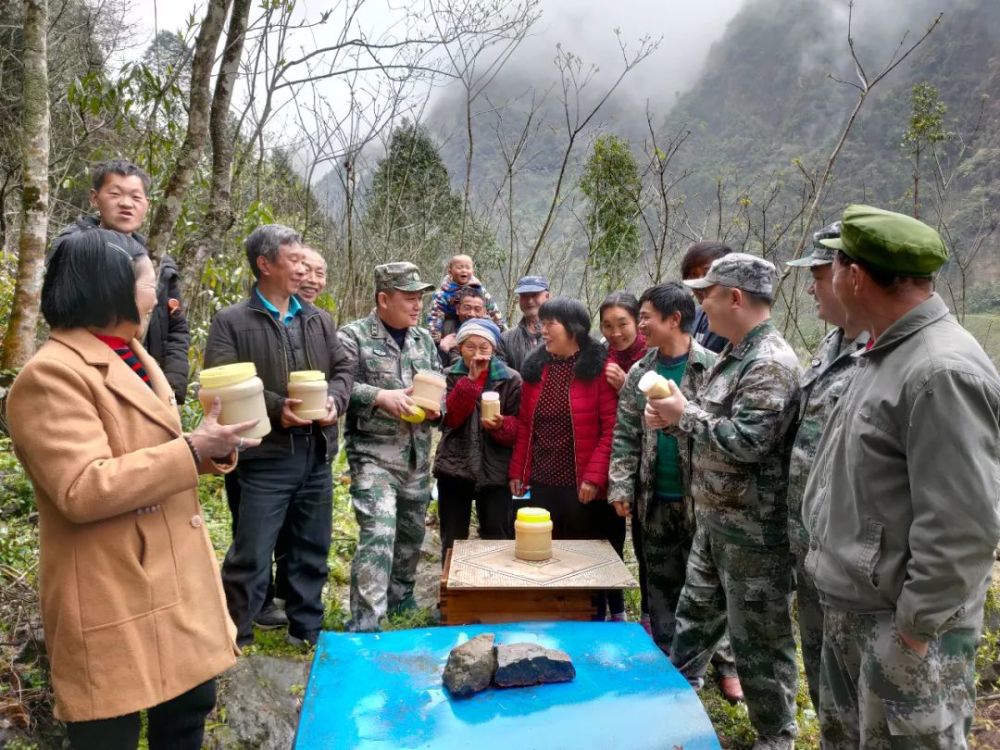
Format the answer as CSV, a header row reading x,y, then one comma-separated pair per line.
x,y
470,666
520,664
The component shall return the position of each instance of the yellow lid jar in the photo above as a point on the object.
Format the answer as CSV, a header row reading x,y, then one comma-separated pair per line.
x,y
533,534
309,386
241,393
428,390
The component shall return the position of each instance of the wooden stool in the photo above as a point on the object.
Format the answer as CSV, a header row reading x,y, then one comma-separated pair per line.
x,y
482,581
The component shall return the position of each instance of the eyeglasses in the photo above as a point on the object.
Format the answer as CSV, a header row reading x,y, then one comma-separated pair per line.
x,y
473,349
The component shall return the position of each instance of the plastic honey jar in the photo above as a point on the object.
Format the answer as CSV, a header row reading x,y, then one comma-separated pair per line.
x,y
428,390
241,393
654,385
533,534
490,406
309,386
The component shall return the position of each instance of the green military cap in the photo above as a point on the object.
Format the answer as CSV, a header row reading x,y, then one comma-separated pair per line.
x,y
821,254
740,271
399,275
896,243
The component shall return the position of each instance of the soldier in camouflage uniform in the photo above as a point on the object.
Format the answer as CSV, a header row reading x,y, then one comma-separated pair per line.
x,y
739,570
901,504
666,318
389,457
830,371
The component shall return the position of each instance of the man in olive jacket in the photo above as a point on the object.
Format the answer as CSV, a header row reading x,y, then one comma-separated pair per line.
x,y
901,505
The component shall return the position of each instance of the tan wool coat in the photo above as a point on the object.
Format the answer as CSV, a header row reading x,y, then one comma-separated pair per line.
x,y
132,602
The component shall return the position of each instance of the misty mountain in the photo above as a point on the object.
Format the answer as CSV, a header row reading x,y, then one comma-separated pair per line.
x,y
765,100
767,96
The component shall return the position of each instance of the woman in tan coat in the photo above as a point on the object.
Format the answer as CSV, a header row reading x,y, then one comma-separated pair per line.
x,y
132,602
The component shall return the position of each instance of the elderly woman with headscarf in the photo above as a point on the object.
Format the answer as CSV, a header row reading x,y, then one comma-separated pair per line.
x,y
131,598
475,449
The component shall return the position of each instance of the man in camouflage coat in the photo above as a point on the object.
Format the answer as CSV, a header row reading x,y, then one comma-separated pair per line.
x,y
666,319
829,372
739,570
389,457
901,505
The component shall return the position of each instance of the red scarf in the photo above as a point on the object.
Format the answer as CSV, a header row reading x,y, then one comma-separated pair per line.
x,y
628,357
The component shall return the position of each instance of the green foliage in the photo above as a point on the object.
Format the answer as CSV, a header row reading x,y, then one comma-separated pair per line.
x,y
412,212
926,119
612,186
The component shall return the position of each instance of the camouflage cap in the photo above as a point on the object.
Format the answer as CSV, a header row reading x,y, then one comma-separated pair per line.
x,y
740,271
399,275
891,242
821,254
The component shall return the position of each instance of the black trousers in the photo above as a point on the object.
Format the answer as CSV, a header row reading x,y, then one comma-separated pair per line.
x,y
572,519
277,580
176,724
297,489
494,509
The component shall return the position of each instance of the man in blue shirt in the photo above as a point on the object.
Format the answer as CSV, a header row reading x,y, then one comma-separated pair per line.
x,y
288,475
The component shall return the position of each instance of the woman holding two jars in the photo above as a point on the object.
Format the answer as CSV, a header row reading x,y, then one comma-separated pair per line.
x,y
477,434
131,599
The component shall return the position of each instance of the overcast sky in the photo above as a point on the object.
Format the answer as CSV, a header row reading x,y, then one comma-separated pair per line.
x,y
584,27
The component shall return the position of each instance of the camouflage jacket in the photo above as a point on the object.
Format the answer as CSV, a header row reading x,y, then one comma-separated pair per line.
x,y
830,370
632,475
740,427
372,434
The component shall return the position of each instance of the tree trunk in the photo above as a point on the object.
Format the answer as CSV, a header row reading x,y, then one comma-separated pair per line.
x,y
219,215
169,207
22,326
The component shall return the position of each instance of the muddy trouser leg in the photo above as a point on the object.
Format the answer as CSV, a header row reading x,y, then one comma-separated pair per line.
x,y
877,692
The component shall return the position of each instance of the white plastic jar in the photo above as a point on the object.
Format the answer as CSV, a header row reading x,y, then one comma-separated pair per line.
x,y
309,386
241,393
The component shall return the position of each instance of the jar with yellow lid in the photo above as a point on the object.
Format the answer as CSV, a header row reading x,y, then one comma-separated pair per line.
x,y
241,393
533,534
428,390
309,386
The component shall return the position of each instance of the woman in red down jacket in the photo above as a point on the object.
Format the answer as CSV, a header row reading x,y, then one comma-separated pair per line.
x,y
567,415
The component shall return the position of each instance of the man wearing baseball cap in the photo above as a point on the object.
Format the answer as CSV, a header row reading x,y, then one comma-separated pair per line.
x,y
823,383
518,341
739,569
901,504
389,457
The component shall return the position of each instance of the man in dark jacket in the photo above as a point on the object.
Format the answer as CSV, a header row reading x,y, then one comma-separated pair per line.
x,y
120,195
288,474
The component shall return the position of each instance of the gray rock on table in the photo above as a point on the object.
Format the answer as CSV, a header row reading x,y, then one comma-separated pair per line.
x,y
470,666
520,664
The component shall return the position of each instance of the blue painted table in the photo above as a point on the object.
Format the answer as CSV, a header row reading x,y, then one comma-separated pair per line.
x,y
384,690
